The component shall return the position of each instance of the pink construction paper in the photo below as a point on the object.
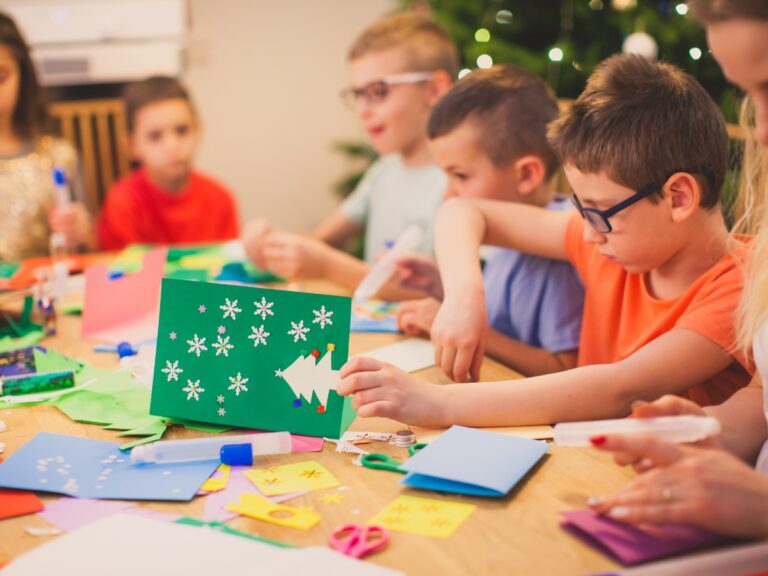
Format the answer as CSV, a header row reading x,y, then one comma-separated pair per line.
x,y
126,308
306,443
216,502
631,545
73,513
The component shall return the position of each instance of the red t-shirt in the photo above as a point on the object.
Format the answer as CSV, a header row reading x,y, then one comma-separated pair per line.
x,y
137,211
621,316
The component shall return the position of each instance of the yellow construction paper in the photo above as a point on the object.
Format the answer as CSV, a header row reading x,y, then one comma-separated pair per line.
x,y
299,477
218,481
423,516
258,507
334,498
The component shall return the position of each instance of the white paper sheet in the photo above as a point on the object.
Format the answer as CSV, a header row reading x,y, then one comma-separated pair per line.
x,y
410,355
127,545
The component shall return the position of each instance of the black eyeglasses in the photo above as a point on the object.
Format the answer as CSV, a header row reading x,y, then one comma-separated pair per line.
x,y
376,91
598,219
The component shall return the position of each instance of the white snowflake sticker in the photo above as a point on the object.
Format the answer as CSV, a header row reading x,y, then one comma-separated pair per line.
x,y
220,399
258,336
201,308
238,384
264,309
172,370
222,412
298,331
230,309
322,317
196,345
172,335
222,346
193,389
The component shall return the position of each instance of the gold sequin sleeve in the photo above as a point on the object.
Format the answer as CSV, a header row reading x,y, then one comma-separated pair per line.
x,y
26,195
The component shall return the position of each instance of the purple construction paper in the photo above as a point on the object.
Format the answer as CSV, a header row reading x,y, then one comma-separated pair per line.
x,y
216,502
73,513
631,545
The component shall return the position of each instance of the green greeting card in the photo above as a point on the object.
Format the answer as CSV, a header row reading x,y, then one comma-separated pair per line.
x,y
252,357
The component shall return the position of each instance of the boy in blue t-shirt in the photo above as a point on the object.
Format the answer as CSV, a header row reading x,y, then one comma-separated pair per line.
x,y
489,136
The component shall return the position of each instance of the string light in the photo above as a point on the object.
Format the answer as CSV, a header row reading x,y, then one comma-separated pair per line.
x,y
503,16
484,61
482,35
695,53
463,72
556,54
682,9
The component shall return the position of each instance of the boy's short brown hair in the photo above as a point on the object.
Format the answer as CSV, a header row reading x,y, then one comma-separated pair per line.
x,y
639,122
706,11
151,90
428,45
511,107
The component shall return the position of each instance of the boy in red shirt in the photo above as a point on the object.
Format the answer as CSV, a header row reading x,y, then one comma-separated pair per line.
x,y
164,201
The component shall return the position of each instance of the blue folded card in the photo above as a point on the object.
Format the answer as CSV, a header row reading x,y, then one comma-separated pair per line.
x,y
472,461
86,468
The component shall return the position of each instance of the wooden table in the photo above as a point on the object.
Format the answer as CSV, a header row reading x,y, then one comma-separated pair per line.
x,y
519,534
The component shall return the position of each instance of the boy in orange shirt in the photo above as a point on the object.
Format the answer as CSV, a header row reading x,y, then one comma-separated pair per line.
x,y
645,150
164,201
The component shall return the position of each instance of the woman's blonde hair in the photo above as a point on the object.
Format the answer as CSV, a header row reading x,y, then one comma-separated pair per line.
x,y
752,207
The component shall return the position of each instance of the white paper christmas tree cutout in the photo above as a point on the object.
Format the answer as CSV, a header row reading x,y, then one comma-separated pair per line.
x,y
305,376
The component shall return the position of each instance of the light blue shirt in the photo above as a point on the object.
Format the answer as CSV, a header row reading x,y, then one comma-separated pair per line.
x,y
535,300
391,197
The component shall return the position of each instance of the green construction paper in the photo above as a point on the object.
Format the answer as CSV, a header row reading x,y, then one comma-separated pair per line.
x,y
140,441
72,309
196,274
52,361
8,343
260,397
221,527
149,426
199,426
8,269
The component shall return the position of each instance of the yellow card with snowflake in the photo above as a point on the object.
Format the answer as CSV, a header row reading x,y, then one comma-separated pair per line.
x,y
424,516
299,477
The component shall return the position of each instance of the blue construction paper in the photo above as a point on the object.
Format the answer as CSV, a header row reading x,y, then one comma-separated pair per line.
x,y
86,468
360,323
472,461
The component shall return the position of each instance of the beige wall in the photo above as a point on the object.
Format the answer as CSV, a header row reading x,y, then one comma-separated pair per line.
x,y
266,77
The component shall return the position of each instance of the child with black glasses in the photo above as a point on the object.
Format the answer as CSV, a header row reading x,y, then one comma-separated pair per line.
x,y
662,276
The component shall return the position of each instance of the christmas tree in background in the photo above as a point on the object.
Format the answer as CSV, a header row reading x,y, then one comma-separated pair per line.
x,y
563,40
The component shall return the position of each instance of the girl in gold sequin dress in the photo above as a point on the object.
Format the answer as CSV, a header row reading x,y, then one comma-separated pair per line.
x,y
28,156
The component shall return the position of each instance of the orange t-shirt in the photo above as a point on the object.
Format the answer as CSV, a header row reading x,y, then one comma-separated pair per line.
x,y
137,211
620,316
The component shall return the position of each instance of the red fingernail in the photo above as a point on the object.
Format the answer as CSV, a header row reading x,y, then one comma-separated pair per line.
x,y
598,440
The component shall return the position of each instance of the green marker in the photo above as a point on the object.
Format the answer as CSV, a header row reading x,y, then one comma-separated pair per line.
x,y
37,383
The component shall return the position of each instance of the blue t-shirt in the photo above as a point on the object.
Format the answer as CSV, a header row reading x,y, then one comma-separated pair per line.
x,y
534,300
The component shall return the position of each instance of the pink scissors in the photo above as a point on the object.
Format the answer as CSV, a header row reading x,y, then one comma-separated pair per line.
x,y
359,541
